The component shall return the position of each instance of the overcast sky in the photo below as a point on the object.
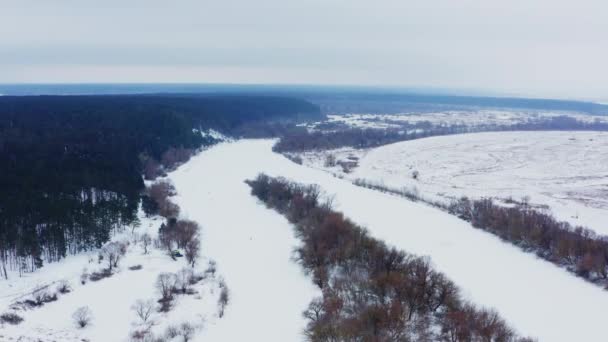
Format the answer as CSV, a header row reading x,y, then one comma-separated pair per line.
x,y
551,48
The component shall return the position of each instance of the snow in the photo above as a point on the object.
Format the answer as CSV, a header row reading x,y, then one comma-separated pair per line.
x,y
109,299
536,297
253,248
564,171
251,244
471,118
211,133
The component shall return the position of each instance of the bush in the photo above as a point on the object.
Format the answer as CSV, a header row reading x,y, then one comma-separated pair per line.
x,y
143,309
64,287
11,318
41,296
96,276
82,316
135,267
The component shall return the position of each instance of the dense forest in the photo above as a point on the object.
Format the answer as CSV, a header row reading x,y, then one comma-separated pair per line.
x,y
72,166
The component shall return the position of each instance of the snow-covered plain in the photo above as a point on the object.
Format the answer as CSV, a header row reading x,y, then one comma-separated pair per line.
x,y
253,246
564,171
470,118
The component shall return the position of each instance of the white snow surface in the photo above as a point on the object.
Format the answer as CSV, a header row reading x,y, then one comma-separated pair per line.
x,y
536,297
564,172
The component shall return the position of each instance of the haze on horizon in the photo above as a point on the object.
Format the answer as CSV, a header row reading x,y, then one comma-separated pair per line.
x,y
549,48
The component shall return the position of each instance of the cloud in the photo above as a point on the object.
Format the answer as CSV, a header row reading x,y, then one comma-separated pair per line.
x,y
543,47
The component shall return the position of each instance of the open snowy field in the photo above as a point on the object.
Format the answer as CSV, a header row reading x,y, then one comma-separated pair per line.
x,y
564,171
470,118
253,247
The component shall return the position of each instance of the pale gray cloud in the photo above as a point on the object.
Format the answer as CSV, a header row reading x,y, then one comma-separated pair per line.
x,y
540,47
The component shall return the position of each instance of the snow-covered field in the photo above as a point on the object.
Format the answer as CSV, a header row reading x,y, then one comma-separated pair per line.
x,y
470,118
253,246
566,171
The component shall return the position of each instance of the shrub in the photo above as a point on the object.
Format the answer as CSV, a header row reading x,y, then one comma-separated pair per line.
x,y
143,309
96,276
41,296
11,318
82,316
64,287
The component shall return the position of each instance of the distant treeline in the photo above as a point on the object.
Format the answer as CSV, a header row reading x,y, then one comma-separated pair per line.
x,y
371,292
367,101
578,249
71,166
337,137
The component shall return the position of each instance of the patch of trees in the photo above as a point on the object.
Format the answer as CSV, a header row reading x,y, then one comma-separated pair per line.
x,y
171,284
372,292
577,248
182,234
155,200
333,137
71,166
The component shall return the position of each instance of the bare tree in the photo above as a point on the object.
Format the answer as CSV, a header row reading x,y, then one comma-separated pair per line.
x,y
185,231
330,160
146,241
143,309
186,330
192,249
183,279
165,283
112,253
82,316
223,299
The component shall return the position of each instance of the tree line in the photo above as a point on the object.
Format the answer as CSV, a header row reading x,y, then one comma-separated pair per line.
x,y
71,166
371,292
579,249
337,136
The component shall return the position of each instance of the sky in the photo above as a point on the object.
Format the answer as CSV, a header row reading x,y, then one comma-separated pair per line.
x,y
549,48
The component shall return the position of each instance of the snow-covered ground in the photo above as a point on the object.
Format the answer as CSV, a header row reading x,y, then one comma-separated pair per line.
x,y
538,298
471,118
110,300
253,247
566,171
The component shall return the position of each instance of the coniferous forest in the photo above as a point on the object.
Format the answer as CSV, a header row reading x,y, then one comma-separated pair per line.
x,y
71,166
